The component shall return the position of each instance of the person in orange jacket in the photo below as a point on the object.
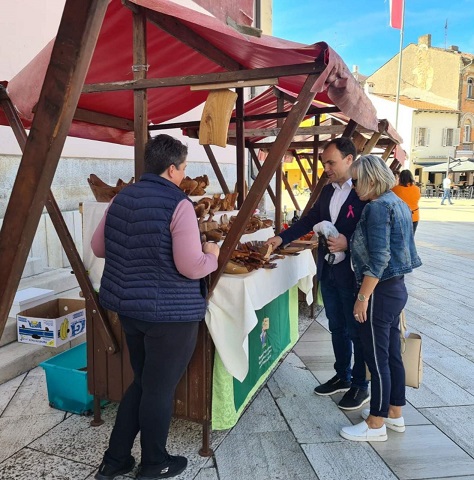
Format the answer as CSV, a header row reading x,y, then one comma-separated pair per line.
x,y
410,194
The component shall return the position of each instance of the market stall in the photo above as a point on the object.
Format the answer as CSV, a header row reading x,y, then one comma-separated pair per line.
x,y
252,319
80,85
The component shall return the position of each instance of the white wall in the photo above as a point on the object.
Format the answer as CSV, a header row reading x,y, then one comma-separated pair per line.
x,y
386,109
436,122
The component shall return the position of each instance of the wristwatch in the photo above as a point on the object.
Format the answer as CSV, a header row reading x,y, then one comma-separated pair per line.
x,y
361,298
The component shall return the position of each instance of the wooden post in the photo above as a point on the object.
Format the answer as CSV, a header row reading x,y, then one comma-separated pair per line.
x,y
140,105
269,167
70,59
240,146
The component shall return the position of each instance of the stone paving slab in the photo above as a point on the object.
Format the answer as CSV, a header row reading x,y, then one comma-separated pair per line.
x,y
28,464
8,390
423,452
347,460
457,423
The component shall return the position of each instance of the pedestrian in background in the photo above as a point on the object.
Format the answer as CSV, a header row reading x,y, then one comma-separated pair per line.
x,y
410,194
446,190
153,279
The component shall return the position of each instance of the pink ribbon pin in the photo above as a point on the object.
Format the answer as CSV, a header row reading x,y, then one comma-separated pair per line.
x,y
350,213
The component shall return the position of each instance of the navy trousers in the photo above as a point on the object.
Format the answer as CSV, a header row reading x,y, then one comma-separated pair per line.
x,y
339,306
380,336
159,355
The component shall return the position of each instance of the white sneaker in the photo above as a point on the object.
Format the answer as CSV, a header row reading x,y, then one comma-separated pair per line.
x,y
362,433
395,424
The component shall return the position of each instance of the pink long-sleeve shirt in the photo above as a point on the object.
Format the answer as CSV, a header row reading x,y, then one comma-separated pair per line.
x,y
188,256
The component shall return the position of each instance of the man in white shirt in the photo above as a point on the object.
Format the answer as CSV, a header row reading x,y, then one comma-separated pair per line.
x,y
447,190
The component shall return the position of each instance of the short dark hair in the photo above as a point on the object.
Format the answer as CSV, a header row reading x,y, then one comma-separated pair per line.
x,y
406,178
345,145
163,151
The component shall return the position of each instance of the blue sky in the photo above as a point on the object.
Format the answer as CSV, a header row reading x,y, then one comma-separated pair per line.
x,y
360,32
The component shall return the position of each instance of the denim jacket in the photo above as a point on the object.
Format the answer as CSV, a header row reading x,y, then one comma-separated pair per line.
x,y
383,245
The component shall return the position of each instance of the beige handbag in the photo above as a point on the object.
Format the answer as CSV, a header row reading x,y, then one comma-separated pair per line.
x,y
411,355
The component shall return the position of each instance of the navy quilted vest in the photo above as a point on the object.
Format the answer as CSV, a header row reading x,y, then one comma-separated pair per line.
x,y
140,279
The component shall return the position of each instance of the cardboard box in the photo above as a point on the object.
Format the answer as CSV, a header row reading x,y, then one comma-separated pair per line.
x,y
53,323
29,298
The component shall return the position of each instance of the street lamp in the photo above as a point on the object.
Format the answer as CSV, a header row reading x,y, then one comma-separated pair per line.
x,y
456,162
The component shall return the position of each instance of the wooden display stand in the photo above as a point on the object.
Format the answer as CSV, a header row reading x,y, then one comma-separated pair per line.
x,y
109,375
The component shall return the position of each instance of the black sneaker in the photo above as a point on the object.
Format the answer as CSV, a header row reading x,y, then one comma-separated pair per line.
x,y
332,386
106,472
170,468
354,399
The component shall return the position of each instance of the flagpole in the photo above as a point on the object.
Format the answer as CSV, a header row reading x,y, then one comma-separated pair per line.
x,y
399,79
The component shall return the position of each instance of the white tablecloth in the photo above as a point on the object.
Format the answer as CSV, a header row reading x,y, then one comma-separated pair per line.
x,y
231,313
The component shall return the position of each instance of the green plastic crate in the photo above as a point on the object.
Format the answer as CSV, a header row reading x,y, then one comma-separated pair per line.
x,y
66,379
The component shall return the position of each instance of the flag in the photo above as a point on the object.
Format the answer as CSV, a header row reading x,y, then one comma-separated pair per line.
x,y
396,13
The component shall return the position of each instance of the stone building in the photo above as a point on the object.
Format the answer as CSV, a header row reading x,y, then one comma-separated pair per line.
x,y
438,76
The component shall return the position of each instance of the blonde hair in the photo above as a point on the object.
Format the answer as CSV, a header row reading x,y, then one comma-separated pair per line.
x,y
373,176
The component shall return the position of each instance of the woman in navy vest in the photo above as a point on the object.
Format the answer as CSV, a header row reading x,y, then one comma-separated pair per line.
x,y
382,251
154,265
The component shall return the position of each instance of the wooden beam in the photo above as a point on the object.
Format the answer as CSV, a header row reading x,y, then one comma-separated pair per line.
x,y
70,58
216,168
220,77
369,146
269,167
64,236
314,165
388,150
240,84
259,167
240,147
279,177
351,128
103,119
314,130
303,170
247,118
140,104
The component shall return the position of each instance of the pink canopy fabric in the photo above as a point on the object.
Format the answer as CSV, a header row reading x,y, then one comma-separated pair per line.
x,y
168,57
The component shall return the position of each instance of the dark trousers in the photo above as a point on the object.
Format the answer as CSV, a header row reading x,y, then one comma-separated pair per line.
x,y
380,336
159,355
339,306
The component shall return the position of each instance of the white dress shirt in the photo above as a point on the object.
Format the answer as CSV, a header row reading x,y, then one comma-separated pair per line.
x,y
338,198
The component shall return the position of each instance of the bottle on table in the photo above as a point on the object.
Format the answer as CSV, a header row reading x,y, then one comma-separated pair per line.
x,y
296,217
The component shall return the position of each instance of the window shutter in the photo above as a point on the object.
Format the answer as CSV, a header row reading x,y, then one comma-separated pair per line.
x,y
456,137
427,132
444,138
417,137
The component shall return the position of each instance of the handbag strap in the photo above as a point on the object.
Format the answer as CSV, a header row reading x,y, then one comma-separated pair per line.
x,y
403,330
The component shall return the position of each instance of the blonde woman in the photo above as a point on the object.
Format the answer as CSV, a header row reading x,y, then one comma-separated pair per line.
x,y
382,251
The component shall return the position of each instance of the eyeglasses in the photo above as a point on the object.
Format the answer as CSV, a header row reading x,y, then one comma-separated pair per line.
x,y
354,182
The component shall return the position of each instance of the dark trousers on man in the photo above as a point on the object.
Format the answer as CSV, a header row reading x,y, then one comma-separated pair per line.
x,y
339,306
159,354
380,336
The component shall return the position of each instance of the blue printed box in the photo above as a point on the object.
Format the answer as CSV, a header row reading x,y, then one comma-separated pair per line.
x,y
53,323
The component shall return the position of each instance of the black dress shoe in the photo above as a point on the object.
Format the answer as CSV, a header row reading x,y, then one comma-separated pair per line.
x,y
107,472
169,468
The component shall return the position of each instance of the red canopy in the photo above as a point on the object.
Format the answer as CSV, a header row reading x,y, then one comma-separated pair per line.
x,y
169,57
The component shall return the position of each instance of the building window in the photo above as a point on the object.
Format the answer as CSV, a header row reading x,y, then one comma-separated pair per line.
x,y
422,137
470,88
467,133
451,137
